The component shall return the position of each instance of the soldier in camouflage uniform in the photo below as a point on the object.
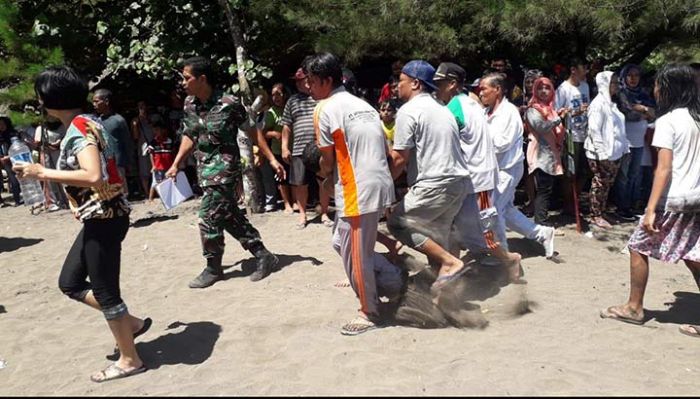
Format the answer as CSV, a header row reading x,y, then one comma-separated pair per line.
x,y
210,126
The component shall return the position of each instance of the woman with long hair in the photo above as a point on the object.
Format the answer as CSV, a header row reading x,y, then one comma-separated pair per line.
x,y
670,228
94,189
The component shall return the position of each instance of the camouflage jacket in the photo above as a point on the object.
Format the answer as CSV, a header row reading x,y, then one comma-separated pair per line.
x,y
213,127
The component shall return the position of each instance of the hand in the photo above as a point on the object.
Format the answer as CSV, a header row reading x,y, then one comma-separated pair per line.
x,y
278,169
28,170
562,112
648,222
639,108
172,172
584,107
286,155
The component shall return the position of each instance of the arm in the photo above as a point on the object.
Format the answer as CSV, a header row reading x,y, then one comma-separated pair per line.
x,y
540,125
595,129
286,133
89,174
632,112
327,160
186,146
135,129
399,160
662,176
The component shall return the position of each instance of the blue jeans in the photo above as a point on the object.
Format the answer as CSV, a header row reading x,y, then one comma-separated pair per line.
x,y
628,185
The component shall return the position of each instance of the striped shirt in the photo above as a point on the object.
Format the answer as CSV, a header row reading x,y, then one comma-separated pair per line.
x,y
299,116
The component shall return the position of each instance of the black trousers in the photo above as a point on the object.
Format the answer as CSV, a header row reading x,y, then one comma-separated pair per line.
x,y
543,186
96,254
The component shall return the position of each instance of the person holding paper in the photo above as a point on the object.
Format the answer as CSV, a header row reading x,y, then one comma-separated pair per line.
x,y
210,127
160,150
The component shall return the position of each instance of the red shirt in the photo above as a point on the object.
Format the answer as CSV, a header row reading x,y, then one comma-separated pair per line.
x,y
162,150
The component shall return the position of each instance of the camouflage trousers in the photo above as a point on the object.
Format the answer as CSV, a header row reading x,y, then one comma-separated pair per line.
x,y
604,173
218,212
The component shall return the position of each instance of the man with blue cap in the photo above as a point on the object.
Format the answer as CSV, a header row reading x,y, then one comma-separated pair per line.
x,y
426,143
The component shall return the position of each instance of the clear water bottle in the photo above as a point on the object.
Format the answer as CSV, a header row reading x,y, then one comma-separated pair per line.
x,y
31,188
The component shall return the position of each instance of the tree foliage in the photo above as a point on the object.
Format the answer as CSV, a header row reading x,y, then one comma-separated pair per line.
x,y
116,39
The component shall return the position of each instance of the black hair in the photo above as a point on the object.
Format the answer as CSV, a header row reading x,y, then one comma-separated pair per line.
x,y
201,66
104,94
391,103
60,87
575,62
497,79
677,89
325,65
8,123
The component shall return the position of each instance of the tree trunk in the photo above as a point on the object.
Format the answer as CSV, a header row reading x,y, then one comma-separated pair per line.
x,y
251,183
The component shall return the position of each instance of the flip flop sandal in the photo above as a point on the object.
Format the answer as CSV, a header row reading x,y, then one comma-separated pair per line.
x,y
327,223
147,322
610,313
358,326
689,330
301,226
114,372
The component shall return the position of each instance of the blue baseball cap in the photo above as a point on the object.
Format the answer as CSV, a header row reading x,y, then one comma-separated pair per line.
x,y
421,70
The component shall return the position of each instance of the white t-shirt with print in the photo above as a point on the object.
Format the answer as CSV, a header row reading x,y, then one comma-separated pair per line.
x,y
574,97
679,132
361,174
430,129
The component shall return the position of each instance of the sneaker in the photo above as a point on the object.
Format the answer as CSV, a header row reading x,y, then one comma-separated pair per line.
x,y
548,242
205,279
53,208
626,216
267,263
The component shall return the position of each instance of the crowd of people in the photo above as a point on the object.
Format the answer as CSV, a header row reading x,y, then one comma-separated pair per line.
x,y
439,159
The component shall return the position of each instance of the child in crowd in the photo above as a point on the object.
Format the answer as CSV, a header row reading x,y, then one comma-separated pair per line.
x,y
160,149
387,113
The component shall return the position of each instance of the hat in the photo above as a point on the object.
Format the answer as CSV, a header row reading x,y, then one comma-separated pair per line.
x,y
449,70
475,83
421,70
299,75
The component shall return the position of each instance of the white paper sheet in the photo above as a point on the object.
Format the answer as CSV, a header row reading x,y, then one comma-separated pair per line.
x,y
173,193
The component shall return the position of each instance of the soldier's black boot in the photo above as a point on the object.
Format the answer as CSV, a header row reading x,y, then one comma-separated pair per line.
x,y
267,263
211,274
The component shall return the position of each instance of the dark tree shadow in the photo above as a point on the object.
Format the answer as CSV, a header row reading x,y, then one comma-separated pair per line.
x,y
11,244
2,309
193,345
249,265
147,221
683,310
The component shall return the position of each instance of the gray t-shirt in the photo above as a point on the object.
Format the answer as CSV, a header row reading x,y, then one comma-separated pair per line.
x,y
299,116
431,130
116,133
362,180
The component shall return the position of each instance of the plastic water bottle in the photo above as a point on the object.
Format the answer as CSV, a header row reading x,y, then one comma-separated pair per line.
x,y
31,188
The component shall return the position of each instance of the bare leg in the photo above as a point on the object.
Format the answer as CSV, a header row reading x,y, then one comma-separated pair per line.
x,y
639,275
448,263
394,246
301,194
134,322
284,193
694,268
511,260
325,199
152,194
144,184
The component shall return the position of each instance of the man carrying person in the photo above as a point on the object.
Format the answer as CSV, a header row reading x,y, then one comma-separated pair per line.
x,y
477,219
210,127
298,126
427,142
574,95
506,130
354,152
116,132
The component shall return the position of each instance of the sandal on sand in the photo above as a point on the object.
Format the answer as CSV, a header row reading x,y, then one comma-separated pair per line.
x,y
147,322
357,326
689,330
301,225
615,313
114,372
327,223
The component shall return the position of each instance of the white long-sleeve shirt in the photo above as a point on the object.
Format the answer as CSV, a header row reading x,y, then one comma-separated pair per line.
x,y
506,129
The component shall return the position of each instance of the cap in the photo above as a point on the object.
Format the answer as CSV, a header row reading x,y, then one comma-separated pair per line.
x,y
449,70
421,70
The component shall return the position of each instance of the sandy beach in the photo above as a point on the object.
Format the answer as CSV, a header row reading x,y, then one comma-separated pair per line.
x,y
281,336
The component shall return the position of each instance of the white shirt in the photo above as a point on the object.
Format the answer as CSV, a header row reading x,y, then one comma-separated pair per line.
x,y
426,125
574,97
476,143
361,174
680,133
506,129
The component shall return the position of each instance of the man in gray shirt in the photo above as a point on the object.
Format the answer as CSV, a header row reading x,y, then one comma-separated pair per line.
x,y
427,143
116,131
